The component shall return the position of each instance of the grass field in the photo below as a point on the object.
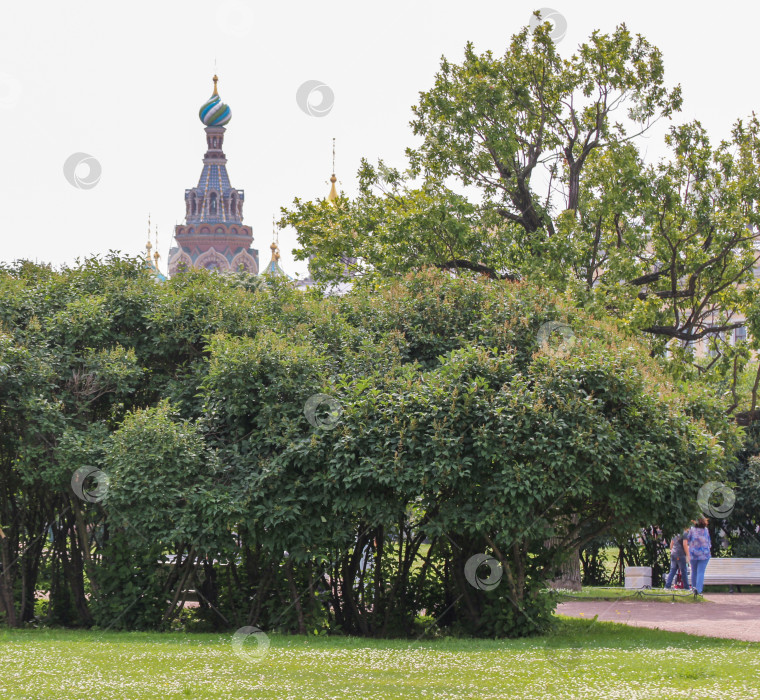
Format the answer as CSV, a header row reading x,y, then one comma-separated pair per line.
x,y
581,660
649,595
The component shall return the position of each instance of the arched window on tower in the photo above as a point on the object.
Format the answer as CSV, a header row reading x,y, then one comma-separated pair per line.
x,y
193,205
212,206
233,204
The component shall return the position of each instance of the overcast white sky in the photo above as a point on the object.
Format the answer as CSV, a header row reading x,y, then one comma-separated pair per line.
x,y
123,82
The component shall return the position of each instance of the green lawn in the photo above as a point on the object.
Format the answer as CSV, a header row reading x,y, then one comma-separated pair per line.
x,y
649,595
582,660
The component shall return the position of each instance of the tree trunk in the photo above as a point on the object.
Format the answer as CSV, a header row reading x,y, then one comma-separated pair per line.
x,y
295,596
6,583
84,543
73,571
570,571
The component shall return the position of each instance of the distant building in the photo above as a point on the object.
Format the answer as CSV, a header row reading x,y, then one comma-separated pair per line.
x,y
348,263
274,269
213,236
151,261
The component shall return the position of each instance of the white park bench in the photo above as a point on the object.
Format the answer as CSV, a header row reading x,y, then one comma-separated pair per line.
x,y
729,571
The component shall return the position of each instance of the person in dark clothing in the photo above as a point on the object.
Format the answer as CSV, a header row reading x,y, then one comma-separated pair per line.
x,y
679,556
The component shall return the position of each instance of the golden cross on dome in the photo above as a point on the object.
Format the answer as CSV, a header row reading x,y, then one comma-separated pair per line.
x,y
333,196
275,240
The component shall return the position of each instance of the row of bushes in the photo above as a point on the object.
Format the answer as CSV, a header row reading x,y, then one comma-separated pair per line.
x,y
449,423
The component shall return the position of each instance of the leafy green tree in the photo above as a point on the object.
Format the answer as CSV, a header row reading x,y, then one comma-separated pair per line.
x,y
531,167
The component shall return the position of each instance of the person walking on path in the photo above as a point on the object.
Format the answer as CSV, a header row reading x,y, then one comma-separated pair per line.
x,y
679,555
699,553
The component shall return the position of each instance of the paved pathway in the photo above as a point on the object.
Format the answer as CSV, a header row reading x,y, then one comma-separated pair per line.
x,y
735,616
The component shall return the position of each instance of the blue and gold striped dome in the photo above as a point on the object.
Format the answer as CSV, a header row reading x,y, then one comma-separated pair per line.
x,y
214,112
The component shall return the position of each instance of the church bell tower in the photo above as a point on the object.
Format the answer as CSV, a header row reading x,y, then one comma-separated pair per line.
x,y
213,236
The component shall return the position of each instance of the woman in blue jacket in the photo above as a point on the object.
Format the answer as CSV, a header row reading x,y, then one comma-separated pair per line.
x,y
699,553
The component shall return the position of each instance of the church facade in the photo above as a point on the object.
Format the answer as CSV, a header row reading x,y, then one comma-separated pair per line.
x,y
213,236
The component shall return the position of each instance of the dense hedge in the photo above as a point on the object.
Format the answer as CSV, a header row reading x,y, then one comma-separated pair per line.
x,y
450,430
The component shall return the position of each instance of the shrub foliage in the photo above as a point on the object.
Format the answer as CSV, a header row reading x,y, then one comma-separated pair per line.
x,y
451,430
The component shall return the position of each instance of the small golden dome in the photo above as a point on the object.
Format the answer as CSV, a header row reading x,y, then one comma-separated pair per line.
x,y
333,192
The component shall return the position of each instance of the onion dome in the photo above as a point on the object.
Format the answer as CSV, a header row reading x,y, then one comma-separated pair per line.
x,y
214,112
333,196
151,262
333,192
274,268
